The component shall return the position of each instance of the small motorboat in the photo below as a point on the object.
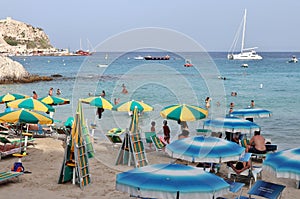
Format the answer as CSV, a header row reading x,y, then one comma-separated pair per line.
x,y
139,58
244,65
293,60
188,63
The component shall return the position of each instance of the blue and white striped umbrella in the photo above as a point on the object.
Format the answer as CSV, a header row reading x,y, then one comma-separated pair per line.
x,y
231,124
284,164
251,113
171,181
205,149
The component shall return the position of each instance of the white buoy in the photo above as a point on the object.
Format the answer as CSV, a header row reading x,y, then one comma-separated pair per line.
x,y
261,85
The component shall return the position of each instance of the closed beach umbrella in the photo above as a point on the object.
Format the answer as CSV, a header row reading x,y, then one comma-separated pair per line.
x,y
231,124
31,104
99,102
52,100
284,164
171,181
205,149
134,125
183,112
251,113
11,97
130,105
25,116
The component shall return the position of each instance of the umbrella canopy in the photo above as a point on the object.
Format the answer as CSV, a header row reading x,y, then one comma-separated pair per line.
x,y
251,113
184,112
52,100
171,181
25,116
31,104
284,164
130,105
231,124
11,97
205,149
99,102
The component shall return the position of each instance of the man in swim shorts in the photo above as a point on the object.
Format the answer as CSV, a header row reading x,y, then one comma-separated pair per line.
x,y
257,144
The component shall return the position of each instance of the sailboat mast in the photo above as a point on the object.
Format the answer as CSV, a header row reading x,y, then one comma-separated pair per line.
x,y
244,30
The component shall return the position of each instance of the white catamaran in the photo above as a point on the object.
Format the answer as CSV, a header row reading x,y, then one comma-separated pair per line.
x,y
246,53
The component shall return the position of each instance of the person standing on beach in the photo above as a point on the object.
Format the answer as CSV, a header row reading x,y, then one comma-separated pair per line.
x,y
34,96
50,93
116,101
166,131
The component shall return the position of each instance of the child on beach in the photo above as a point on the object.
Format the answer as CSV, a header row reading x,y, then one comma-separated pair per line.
x,y
207,102
50,93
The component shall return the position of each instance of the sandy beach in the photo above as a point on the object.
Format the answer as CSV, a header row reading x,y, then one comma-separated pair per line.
x,y
45,159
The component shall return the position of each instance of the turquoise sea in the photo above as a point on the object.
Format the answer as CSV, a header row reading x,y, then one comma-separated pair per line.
x,y
272,83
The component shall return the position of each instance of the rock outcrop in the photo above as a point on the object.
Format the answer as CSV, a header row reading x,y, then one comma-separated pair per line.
x,y
13,72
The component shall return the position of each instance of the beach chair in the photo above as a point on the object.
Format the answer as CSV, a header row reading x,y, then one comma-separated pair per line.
x,y
5,176
158,143
251,174
148,136
113,135
265,189
235,187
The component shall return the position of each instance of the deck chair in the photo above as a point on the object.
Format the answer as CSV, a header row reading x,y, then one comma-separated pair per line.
x,y
265,189
158,143
114,135
5,176
251,173
148,136
235,187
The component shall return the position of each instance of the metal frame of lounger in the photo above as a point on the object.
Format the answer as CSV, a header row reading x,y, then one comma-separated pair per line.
x,y
158,144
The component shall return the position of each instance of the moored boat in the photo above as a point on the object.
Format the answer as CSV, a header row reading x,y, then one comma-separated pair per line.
x,y
149,57
293,60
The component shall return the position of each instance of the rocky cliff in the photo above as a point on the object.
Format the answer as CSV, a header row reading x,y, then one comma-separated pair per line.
x,y
16,33
13,72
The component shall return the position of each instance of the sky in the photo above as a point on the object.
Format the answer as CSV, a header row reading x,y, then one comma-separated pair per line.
x,y
272,25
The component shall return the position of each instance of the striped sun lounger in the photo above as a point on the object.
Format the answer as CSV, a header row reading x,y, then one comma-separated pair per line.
x,y
9,175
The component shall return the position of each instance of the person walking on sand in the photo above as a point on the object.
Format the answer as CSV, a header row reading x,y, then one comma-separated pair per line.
x,y
103,93
153,130
34,96
166,131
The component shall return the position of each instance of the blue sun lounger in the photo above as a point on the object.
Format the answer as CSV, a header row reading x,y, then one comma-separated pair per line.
x,y
265,189
4,176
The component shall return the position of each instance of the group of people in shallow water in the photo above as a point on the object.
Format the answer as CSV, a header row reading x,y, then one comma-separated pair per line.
x,y
50,93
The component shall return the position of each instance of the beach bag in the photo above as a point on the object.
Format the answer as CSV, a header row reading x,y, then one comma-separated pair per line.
x,y
18,167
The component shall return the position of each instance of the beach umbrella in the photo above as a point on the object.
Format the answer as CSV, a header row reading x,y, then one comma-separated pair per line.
x,y
130,105
99,102
284,164
183,112
31,104
251,113
231,124
25,116
11,97
171,181
52,100
205,149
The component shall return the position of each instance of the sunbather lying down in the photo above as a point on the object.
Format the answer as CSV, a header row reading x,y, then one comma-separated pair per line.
x,y
239,167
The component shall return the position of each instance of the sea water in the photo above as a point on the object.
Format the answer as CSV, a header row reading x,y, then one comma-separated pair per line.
x,y
272,83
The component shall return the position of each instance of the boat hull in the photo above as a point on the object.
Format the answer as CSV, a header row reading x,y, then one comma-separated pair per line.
x,y
245,56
